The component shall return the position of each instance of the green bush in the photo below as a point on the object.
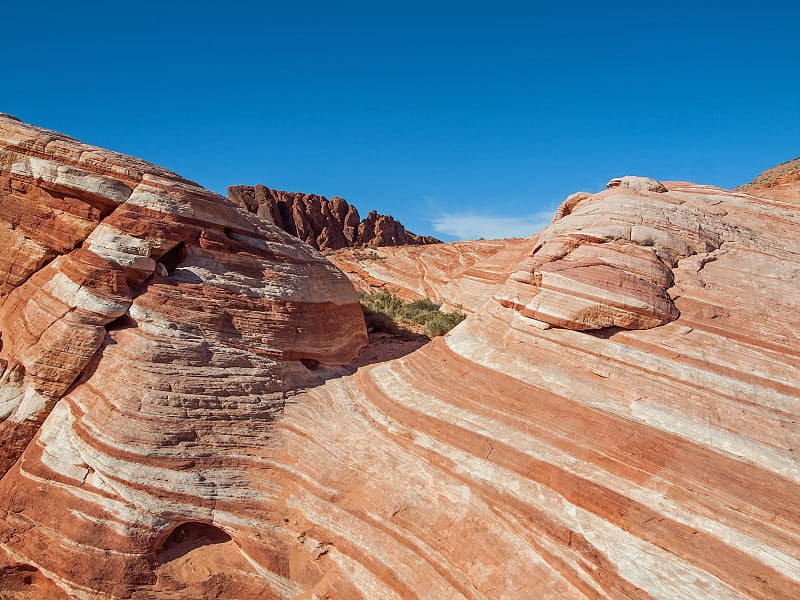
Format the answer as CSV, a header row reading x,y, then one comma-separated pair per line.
x,y
384,301
360,255
441,323
419,311
384,311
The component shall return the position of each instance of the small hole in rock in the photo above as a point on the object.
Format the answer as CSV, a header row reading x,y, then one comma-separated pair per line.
x,y
174,257
188,536
310,363
121,322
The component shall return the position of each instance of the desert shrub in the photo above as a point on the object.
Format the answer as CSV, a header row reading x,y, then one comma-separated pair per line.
x,y
646,241
384,301
385,311
360,255
441,323
419,311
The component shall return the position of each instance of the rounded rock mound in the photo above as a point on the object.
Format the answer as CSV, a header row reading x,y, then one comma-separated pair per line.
x,y
152,332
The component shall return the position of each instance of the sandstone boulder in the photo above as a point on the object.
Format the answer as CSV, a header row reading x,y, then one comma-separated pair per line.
x,y
608,261
640,184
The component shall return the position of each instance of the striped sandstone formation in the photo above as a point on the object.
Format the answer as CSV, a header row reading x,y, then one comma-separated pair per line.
x,y
633,438
465,273
517,459
151,334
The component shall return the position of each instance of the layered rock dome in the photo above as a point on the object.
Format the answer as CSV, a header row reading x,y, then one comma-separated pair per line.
x,y
617,417
151,334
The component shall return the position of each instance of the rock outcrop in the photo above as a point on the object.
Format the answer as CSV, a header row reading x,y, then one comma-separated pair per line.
x,y
325,224
608,262
639,184
457,273
210,447
508,460
784,173
779,183
151,334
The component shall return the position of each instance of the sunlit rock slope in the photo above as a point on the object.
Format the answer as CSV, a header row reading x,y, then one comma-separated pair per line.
x,y
617,417
529,454
152,332
465,273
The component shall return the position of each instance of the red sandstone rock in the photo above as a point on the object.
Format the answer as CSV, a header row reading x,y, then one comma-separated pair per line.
x,y
325,224
510,461
465,273
151,332
779,183
785,173
192,457
608,261
640,184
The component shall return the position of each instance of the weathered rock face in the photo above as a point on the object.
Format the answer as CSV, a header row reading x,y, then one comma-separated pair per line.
x,y
779,183
784,173
465,273
639,184
608,260
512,459
325,224
151,333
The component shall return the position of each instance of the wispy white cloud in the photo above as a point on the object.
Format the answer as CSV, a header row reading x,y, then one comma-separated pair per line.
x,y
470,226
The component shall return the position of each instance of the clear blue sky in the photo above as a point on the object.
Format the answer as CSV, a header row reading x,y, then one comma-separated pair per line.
x,y
474,117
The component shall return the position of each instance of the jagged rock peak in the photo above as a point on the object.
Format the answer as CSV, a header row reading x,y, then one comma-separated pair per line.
x,y
322,223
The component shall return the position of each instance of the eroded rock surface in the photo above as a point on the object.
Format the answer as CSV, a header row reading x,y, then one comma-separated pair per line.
x,y
784,173
151,334
608,259
193,456
458,273
322,223
510,461
639,184
779,183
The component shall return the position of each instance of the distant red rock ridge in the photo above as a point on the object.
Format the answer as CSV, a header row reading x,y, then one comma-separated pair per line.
x,y
325,224
783,173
